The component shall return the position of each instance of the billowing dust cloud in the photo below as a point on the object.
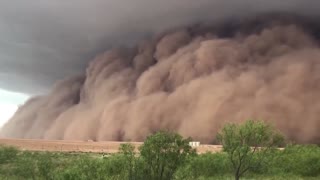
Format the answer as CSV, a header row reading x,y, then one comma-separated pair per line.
x,y
190,80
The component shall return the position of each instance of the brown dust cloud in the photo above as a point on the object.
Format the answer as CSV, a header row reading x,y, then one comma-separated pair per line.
x,y
191,80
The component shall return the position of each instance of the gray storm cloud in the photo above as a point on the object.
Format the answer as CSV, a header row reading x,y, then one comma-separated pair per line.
x,y
43,41
212,62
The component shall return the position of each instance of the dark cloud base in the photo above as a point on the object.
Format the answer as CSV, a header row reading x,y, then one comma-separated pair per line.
x,y
43,41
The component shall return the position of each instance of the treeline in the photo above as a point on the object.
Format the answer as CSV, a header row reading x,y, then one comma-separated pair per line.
x,y
250,152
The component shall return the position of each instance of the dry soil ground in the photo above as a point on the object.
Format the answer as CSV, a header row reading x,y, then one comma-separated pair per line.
x,y
81,146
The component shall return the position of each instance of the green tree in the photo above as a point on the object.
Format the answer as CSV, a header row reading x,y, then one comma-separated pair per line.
x,y
132,168
163,153
247,144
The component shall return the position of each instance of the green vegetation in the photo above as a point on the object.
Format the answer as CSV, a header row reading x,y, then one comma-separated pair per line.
x,y
248,144
163,153
167,155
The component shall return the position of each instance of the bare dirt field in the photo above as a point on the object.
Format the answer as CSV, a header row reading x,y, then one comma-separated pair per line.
x,y
82,146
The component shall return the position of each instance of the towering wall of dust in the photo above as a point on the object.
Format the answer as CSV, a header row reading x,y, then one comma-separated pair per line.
x,y
190,80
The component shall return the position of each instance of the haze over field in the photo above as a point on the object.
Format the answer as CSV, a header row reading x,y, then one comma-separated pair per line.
x,y
188,66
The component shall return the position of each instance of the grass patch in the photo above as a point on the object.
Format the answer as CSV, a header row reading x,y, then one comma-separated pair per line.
x,y
294,162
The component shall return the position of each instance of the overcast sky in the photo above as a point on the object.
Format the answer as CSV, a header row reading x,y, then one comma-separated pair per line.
x,y
9,102
42,41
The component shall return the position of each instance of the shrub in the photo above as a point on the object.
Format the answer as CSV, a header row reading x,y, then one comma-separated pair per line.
x,y
7,154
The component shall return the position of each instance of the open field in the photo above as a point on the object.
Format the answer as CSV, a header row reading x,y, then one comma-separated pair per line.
x,y
82,146
43,159
295,162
